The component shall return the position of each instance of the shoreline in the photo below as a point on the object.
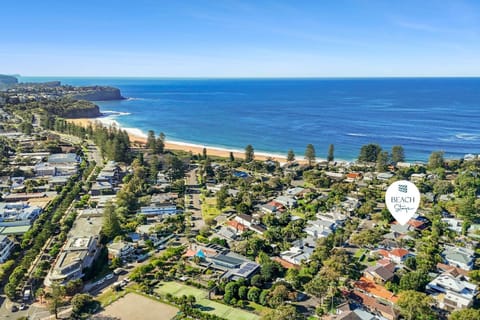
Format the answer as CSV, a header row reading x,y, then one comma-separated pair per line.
x,y
138,137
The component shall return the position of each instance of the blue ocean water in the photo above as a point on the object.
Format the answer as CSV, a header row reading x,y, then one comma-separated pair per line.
x,y
274,115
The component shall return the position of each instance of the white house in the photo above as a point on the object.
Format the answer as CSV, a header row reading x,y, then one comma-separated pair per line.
x,y
462,258
452,292
6,246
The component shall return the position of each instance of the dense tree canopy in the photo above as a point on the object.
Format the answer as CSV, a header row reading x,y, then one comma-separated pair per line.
x,y
369,153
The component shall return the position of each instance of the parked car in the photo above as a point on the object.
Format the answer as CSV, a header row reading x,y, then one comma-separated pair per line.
x,y
109,276
22,306
14,308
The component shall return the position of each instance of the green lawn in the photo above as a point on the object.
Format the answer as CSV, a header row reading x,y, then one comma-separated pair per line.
x,y
209,208
359,253
209,306
110,296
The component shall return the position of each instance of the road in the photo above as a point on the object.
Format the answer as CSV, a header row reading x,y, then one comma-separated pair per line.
x,y
37,311
193,194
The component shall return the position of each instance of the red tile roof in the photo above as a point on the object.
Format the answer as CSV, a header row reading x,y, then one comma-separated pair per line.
x,y
399,252
382,252
285,263
373,304
237,225
417,224
375,290
276,204
354,175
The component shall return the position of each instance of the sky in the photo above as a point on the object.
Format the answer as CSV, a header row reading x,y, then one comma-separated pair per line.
x,y
233,38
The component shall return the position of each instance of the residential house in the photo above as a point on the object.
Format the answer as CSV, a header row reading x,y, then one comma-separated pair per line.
x,y
459,257
384,176
319,228
417,177
296,192
377,306
44,169
159,210
110,173
18,213
453,224
335,175
286,201
63,159
397,255
268,208
375,290
121,249
102,187
77,255
452,292
245,219
378,274
301,250
6,246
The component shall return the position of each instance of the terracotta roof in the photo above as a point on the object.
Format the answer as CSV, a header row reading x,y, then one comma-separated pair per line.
x,y
285,263
399,252
452,270
276,204
376,290
382,252
372,303
237,225
417,224
190,253
354,175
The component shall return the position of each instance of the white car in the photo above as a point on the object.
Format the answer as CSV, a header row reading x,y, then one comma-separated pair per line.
x,y
109,276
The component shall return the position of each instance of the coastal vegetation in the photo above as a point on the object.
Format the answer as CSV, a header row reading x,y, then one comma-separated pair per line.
x,y
310,154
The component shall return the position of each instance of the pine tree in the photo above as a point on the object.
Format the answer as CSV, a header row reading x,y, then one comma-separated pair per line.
x,y
331,150
382,161
111,224
398,154
310,154
160,143
290,156
151,142
249,153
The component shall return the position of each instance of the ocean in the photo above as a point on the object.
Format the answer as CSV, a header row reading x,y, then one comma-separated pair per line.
x,y
275,115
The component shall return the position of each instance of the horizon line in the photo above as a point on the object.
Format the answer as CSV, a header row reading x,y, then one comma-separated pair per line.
x,y
247,77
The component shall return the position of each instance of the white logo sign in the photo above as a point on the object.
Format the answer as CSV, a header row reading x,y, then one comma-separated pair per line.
x,y
402,199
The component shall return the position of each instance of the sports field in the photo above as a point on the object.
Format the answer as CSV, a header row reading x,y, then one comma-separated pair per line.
x,y
219,309
136,307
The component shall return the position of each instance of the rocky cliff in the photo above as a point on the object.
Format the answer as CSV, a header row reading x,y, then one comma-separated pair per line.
x,y
7,81
68,108
97,93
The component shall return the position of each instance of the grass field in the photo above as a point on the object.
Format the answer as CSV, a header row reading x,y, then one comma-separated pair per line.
x,y
209,209
137,307
209,306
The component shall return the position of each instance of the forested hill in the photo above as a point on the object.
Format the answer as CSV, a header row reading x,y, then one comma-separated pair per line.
x,y
65,108
7,81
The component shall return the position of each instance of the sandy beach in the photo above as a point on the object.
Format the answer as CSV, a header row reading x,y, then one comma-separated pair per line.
x,y
136,137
